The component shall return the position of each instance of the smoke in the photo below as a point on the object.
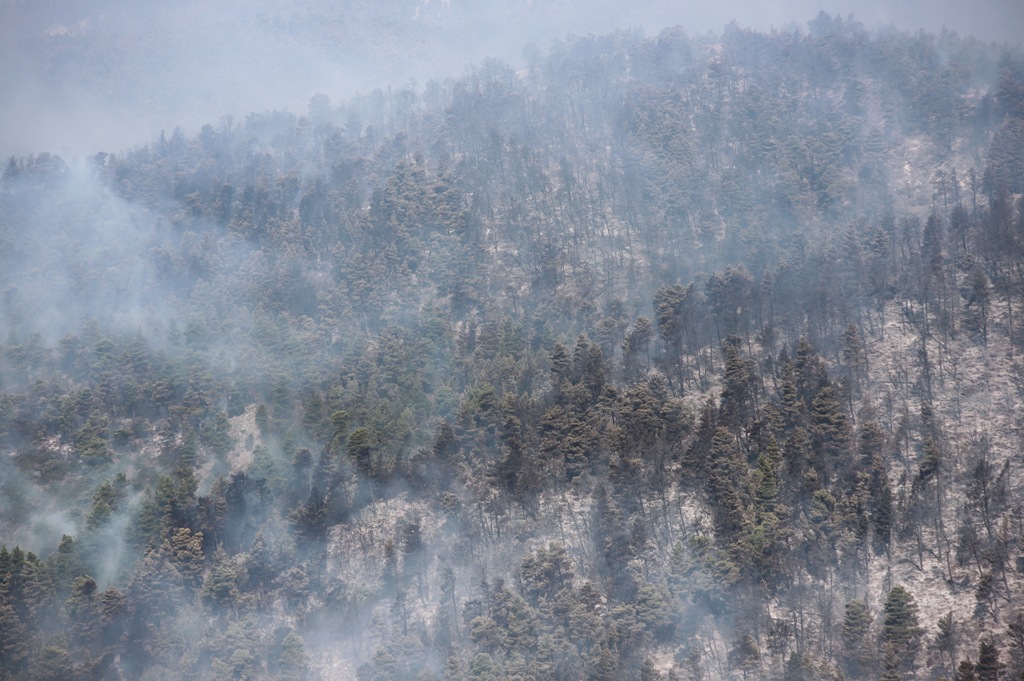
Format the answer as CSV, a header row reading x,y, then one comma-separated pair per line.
x,y
29,517
75,252
80,78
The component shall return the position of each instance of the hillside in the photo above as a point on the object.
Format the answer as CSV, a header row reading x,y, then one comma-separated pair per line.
x,y
656,358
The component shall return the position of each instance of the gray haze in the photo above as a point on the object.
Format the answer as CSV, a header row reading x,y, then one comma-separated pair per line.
x,y
79,77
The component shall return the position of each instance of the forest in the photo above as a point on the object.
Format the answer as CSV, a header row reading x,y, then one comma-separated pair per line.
x,y
676,357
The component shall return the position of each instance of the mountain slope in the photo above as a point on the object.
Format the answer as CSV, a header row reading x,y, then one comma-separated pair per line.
x,y
660,357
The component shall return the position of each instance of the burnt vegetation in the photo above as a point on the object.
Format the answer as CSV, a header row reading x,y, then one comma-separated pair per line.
x,y
658,358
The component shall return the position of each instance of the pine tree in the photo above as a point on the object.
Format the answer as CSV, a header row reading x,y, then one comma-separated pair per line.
x,y
310,518
794,411
187,452
83,610
745,655
965,671
338,429
724,483
184,550
856,651
113,615
736,397
34,592
945,640
561,364
648,672
13,637
767,491
294,663
313,414
220,589
882,517
810,371
263,420
891,665
854,353
901,635
360,450
53,664
830,426
1015,634
989,667
454,669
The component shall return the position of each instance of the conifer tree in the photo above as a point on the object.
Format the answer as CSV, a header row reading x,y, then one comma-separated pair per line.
x,y
989,666
294,664
856,654
965,671
724,483
14,638
901,635
945,640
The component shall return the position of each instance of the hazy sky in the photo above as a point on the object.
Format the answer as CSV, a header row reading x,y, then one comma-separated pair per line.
x,y
78,77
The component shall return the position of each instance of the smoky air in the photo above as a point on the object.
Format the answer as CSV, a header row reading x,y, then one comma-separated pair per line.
x,y
456,341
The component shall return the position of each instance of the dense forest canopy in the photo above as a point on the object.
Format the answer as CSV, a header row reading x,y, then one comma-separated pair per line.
x,y
672,357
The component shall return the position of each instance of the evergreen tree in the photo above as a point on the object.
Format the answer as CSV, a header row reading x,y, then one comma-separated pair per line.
x,y
14,638
310,518
856,656
965,671
901,635
83,609
830,426
945,640
294,665
989,667
54,663
882,517
724,483
360,450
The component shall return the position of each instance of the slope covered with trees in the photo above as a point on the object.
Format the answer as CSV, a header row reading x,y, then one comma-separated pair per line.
x,y
658,358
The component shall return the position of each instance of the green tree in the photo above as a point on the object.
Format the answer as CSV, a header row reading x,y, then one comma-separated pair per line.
x,y
293,662
724,482
882,516
113,616
314,416
901,635
745,654
263,420
480,667
1015,634
737,398
648,671
965,671
636,349
92,443
220,588
766,488
14,639
53,664
989,666
945,640
83,609
310,518
856,655
66,564
215,434
359,447
545,572
184,550
829,425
